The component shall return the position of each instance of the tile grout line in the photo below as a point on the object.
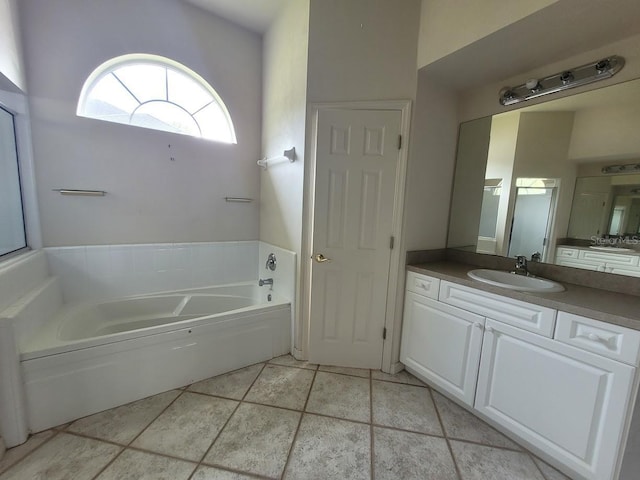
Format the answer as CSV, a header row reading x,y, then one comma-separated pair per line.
x,y
372,470
444,432
182,392
125,447
10,466
295,436
240,402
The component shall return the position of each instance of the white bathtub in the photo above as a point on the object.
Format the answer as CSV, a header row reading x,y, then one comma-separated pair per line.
x,y
95,356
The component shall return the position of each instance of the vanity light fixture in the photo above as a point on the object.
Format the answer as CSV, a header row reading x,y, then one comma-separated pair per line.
x,y
575,77
628,168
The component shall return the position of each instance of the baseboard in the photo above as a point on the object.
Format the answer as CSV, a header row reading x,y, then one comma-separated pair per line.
x,y
298,354
396,367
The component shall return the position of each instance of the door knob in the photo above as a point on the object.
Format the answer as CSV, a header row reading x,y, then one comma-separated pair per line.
x,y
320,258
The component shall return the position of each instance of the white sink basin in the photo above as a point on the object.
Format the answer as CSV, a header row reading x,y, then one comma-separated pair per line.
x,y
612,249
512,281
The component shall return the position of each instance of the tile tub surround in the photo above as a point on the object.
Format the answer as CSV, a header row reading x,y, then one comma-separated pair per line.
x,y
604,305
108,271
246,431
90,272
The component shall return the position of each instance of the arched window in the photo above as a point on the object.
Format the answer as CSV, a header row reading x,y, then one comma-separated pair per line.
x,y
155,92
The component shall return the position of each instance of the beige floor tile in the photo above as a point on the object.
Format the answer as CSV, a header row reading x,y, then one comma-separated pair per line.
x,y
15,454
460,424
132,464
123,424
355,372
64,457
402,377
328,448
188,427
404,406
257,440
340,396
291,361
477,462
210,473
231,385
411,456
281,387
549,472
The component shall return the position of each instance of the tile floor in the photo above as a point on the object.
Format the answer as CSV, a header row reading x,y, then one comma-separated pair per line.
x,y
282,419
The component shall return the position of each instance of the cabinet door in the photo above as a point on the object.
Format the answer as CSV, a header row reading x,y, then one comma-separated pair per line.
x,y
569,403
442,344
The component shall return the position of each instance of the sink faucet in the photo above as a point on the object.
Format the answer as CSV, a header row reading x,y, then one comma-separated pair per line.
x,y
266,281
521,266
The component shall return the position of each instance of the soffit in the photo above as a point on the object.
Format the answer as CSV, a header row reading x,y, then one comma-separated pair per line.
x,y
564,29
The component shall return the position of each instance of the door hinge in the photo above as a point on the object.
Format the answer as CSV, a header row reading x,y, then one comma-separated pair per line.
x,y
392,242
399,142
384,333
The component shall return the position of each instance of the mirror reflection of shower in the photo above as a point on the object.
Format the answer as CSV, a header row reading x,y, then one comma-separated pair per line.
x,y
533,214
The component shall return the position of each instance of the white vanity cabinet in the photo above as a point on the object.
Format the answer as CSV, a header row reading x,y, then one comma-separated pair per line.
x,y
562,383
600,261
442,344
569,403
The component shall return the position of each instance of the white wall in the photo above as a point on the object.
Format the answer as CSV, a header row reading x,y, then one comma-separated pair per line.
x,y
284,110
362,50
617,138
150,198
11,67
449,25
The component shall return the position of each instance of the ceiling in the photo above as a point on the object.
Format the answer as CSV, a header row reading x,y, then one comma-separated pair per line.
x,y
256,15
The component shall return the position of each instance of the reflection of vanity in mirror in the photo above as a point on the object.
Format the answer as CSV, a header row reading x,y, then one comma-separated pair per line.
x,y
559,181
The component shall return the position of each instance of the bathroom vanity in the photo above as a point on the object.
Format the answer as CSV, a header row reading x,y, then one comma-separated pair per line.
x,y
556,371
601,259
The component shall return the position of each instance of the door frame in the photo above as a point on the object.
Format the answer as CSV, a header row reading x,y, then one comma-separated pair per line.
x,y
301,341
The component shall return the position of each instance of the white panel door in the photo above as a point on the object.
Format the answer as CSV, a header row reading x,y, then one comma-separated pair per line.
x,y
357,156
567,402
442,344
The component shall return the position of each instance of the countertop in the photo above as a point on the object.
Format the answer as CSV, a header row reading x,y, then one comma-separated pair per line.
x,y
611,307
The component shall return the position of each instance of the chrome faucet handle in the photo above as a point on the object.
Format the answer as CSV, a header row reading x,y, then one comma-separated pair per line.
x,y
271,262
536,257
521,265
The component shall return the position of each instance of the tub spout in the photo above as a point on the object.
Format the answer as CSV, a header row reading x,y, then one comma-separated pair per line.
x,y
266,281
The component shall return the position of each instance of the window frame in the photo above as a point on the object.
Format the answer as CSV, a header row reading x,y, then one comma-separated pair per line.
x,y
23,213
108,67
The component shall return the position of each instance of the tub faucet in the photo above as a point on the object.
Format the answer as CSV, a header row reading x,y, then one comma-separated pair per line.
x,y
266,281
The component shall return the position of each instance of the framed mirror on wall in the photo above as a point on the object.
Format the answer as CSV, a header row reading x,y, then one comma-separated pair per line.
x,y
558,181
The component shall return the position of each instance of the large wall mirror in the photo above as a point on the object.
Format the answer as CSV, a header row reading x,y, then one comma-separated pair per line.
x,y
559,181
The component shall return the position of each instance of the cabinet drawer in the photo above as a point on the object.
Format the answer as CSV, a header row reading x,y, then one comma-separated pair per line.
x,y
562,252
423,285
612,341
520,314
610,258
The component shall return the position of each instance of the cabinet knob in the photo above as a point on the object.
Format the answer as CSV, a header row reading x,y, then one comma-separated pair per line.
x,y
489,329
478,325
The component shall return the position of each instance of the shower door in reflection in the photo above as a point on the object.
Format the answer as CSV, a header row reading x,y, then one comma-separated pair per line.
x,y
12,230
531,221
